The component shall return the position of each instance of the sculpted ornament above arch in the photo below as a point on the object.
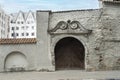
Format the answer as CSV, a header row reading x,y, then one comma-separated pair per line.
x,y
69,27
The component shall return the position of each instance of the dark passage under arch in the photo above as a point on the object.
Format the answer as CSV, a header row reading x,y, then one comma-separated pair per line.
x,y
69,54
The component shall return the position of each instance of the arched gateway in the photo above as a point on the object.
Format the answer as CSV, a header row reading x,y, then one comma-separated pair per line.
x,y
69,54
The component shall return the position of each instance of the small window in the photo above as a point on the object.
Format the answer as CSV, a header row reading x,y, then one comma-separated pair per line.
x,y
32,34
18,22
17,34
17,28
22,22
22,27
12,22
22,34
13,28
27,34
32,27
13,34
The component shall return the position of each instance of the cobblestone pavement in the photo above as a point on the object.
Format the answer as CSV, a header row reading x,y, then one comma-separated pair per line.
x,y
62,75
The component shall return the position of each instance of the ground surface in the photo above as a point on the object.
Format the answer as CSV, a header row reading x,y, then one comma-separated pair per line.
x,y
61,75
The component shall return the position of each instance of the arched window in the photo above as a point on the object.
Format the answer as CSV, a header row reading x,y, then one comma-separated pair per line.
x,y
15,61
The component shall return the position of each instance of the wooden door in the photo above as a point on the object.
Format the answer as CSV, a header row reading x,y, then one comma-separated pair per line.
x,y
69,54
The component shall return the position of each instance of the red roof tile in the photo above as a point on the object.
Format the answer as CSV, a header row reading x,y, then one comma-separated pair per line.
x,y
18,41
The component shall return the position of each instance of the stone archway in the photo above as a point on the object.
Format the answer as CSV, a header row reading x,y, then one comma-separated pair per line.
x,y
69,54
15,61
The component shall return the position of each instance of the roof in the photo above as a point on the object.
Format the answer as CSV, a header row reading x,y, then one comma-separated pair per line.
x,y
112,1
24,14
75,10
18,41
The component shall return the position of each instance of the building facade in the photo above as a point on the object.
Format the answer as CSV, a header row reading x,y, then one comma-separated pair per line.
x,y
78,39
22,25
4,24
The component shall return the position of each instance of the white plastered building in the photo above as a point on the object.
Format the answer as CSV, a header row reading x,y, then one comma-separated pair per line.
x,y
4,24
23,25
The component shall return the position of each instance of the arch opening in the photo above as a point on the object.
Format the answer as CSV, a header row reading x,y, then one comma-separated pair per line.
x,y
69,54
15,61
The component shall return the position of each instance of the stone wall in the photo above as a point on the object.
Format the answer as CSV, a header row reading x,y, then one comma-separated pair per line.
x,y
89,19
110,26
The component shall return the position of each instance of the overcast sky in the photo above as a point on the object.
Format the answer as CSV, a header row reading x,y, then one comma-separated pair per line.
x,y
12,6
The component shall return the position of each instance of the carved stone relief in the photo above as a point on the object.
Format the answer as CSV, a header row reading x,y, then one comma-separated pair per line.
x,y
69,27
